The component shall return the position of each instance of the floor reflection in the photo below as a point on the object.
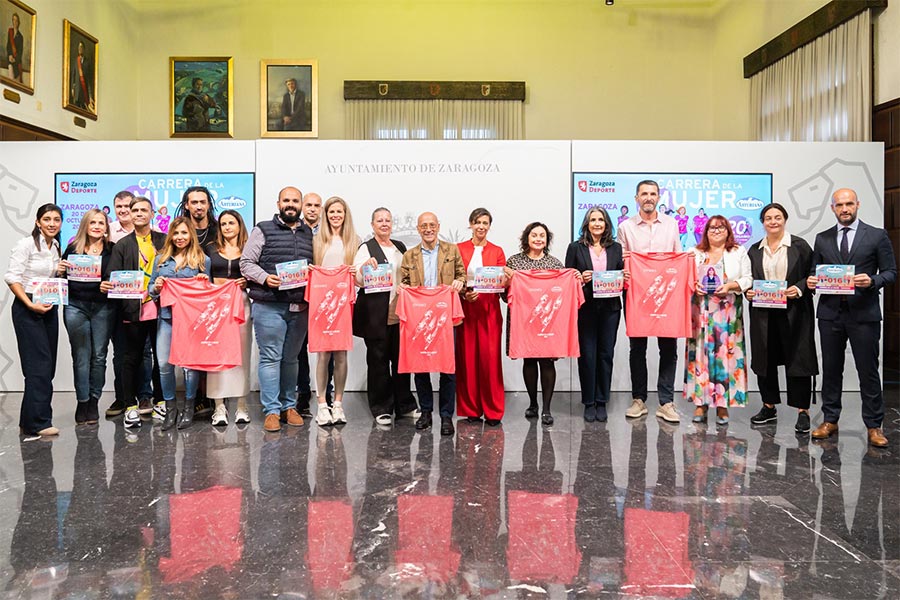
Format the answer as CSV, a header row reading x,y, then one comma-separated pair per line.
x,y
637,509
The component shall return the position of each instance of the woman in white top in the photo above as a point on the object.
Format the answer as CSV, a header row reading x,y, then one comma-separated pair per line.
x,y
36,324
335,244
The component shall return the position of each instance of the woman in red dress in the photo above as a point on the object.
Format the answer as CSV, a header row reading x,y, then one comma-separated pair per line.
x,y
479,369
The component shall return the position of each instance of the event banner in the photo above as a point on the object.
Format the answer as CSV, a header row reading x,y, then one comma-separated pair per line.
x,y
690,198
76,193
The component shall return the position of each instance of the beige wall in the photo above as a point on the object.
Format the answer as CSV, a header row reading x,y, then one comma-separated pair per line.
x,y
648,71
106,20
887,54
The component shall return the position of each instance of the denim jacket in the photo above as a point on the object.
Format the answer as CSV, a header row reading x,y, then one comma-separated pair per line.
x,y
167,269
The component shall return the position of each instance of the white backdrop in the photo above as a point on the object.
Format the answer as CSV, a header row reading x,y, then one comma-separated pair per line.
x,y
517,181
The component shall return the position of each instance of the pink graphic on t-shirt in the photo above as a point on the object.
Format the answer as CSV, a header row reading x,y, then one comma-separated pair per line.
x,y
658,302
544,313
330,293
427,316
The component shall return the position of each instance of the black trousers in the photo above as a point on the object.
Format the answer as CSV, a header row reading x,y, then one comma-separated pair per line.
x,y
799,389
388,390
36,336
136,336
865,343
665,379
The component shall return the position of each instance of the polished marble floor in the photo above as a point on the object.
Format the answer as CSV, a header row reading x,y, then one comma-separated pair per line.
x,y
576,510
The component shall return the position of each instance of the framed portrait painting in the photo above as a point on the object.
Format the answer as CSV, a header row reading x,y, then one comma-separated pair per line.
x,y
19,21
200,92
289,98
80,73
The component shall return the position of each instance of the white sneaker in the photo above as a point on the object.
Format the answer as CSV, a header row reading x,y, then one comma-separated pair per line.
x,y
383,419
220,415
241,415
637,409
667,412
323,416
132,417
413,414
337,414
159,411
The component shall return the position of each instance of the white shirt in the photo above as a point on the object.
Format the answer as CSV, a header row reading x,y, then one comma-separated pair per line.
x,y
775,264
117,232
851,234
334,253
476,263
27,262
394,257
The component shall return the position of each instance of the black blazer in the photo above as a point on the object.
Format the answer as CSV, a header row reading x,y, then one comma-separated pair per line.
x,y
578,257
797,341
125,258
873,255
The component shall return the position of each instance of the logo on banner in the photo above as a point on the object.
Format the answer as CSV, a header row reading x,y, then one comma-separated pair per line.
x,y
749,203
582,185
231,202
64,186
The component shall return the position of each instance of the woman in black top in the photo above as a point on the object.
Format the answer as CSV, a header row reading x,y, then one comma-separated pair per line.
x,y
225,258
89,316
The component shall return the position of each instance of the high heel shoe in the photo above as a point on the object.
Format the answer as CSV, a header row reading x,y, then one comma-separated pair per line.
x,y
171,416
699,415
547,419
187,415
722,417
531,412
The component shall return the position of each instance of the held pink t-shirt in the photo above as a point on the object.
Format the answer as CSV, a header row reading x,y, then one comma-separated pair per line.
x,y
331,294
658,301
427,316
543,308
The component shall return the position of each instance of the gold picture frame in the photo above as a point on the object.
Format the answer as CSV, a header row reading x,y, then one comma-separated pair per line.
x,y
81,53
201,89
17,71
283,114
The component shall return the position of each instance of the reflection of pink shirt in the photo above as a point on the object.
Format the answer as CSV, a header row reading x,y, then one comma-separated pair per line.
x,y
661,235
427,316
543,313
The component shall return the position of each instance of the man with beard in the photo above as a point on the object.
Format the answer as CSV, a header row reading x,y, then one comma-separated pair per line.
x,y
279,316
197,205
195,108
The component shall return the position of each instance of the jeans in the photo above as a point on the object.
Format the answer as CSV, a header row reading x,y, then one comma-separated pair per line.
x,y
89,325
668,359
597,330
279,334
446,393
36,336
167,370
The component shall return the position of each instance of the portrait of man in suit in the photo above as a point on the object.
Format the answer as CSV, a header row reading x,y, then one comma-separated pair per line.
x,y
855,318
289,99
293,107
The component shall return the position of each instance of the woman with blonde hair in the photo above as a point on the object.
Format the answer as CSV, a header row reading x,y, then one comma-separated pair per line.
x,y
181,257
335,244
89,316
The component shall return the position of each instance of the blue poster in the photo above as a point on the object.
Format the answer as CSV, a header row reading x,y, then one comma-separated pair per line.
x,y
77,193
690,198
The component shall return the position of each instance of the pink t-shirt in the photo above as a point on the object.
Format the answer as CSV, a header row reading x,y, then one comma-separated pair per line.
x,y
206,322
658,302
427,316
331,294
543,313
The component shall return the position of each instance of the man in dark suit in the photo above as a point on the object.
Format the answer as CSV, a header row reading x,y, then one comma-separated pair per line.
x,y
293,107
856,318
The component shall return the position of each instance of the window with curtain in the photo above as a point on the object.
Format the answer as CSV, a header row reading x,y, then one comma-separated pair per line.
x,y
820,92
434,120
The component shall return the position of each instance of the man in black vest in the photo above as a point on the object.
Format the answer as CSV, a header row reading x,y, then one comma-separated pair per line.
x,y
279,316
856,318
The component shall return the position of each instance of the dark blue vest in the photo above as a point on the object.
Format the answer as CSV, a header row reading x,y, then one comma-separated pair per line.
x,y
282,244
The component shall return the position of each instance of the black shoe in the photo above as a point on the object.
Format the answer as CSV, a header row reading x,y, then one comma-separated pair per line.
x,y
305,413
473,419
187,415
802,425
91,412
590,413
447,426
492,422
80,419
547,419
601,412
424,421
203,407
531,412
767,415
115,409
171,416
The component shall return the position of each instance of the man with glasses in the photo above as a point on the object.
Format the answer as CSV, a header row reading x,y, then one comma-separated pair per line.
x,y
650,231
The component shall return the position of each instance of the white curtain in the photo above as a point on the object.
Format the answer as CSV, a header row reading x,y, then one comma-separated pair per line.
x,y
820,92
434,120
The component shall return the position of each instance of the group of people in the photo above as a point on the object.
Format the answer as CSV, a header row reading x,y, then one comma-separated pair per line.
x,y
198,245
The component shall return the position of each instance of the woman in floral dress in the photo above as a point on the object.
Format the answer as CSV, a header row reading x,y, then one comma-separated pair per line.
x,y
715,374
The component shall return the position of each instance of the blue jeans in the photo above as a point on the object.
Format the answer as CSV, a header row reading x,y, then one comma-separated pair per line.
x,y
446,393
279,334
167,370
89,325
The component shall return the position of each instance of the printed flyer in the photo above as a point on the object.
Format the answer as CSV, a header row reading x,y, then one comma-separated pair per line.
x,y
835,279
711,277
85,267
50,290
378,279
488,280
293,274
126,285
607,284
769,293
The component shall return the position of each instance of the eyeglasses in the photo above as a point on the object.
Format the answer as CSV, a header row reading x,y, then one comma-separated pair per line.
x,y
718,228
